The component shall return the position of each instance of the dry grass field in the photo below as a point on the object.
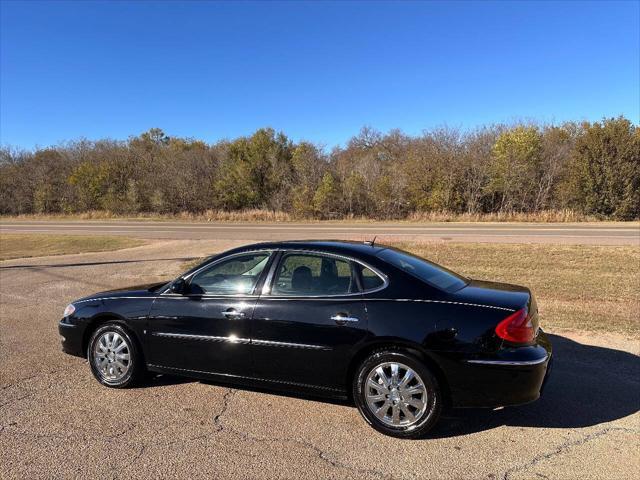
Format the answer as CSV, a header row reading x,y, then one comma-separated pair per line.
x,y
27,245
578,287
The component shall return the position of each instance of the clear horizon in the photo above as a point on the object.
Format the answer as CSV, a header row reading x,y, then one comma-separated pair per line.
x,y
317,71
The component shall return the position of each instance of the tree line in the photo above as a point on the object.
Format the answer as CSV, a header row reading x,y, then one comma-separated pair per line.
x,y
590,168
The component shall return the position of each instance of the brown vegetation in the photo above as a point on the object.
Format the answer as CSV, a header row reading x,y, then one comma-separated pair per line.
x,y
262,215
573,171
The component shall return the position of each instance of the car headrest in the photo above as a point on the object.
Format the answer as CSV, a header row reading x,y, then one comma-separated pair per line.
x,y
301,278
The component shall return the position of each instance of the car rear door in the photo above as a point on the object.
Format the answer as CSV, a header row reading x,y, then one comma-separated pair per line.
x,y
308,320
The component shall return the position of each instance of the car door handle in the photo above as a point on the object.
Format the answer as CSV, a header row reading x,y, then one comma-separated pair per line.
x,y
341,319
233,314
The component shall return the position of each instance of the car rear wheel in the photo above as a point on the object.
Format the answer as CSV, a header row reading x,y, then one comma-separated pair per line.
x,y
397,394
114,357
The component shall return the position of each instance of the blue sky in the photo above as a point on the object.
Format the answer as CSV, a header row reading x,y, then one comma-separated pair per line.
x,y
318,71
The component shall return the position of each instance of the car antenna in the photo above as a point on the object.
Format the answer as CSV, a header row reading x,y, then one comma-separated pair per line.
x,y
371,242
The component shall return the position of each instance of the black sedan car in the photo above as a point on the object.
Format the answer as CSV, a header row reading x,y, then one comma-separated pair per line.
x,y
403,337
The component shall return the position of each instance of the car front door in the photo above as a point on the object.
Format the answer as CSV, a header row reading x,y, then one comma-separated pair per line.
x,y
207,328
308,320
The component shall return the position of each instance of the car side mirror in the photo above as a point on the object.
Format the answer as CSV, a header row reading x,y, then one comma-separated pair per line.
x,y
179,286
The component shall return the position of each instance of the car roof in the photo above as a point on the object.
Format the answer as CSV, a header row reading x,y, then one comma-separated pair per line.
x,y
345,247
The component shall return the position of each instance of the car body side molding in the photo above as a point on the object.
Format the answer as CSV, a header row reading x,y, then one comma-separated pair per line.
x,y
246,341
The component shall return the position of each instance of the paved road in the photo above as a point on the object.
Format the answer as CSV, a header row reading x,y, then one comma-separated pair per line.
x,y
598,234
56,421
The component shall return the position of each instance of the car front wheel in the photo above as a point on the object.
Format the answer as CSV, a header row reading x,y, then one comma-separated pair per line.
x,y
397,394
114,357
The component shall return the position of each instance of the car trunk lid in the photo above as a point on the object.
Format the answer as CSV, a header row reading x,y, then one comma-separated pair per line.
x,y
494,294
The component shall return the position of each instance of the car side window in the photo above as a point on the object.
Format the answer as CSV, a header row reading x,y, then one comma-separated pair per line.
x,y
313,275
370,279
236,275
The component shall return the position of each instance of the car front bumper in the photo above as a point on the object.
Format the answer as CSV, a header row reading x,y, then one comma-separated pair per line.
x,y
71,337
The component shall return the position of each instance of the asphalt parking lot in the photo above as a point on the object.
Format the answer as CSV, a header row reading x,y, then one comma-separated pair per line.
x,y
57,421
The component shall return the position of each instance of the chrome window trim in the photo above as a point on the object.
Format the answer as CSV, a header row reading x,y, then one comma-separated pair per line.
x,y
187,278
267,288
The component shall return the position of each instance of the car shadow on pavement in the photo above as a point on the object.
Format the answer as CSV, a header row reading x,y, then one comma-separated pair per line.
x,y
589,385
162,380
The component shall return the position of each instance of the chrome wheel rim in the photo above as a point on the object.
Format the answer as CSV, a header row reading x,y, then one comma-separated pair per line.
x,y
396,394
112,356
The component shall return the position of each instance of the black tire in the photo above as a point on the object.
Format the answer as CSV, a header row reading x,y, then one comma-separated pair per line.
x,y
434,400
135,364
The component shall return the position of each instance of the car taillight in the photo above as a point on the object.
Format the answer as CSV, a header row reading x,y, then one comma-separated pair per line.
x,y
517,327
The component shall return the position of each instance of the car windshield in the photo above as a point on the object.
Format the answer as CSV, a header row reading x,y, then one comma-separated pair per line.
x,y
426,271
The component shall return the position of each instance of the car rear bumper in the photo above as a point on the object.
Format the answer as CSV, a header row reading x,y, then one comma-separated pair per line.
x,y
71,336
513,377
510,383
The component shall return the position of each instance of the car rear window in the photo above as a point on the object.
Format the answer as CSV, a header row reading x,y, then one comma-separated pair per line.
x,y
370,279
426,271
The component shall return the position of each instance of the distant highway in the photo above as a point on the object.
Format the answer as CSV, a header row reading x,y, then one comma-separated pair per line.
x,y
575,233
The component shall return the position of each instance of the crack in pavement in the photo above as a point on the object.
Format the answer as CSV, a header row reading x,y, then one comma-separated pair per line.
x,y
21,380
567,445
117,470
324,456
226,400
121,433
143,448
17,399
